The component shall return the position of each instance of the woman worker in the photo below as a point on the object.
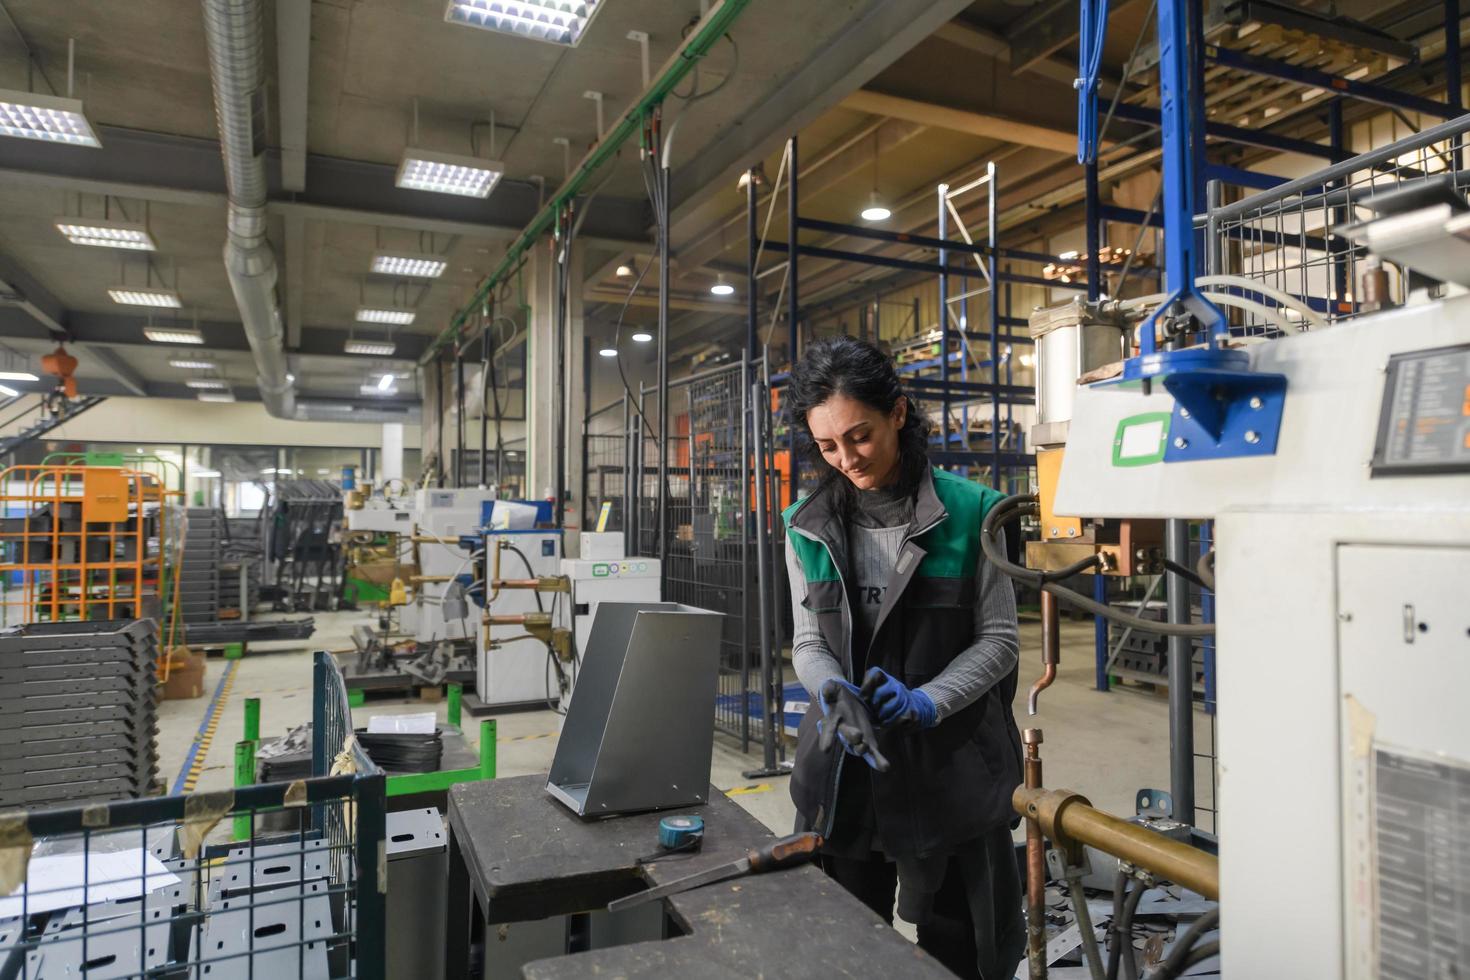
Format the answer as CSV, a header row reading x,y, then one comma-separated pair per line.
x,y
906,639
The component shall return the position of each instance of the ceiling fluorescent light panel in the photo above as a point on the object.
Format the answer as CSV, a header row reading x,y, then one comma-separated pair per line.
x,y
416,266
49,118
143,296
555,21
370,348
106,234
396,315
173,335
446,173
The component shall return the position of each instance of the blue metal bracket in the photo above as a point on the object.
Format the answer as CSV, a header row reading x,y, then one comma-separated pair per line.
x,y
1222,408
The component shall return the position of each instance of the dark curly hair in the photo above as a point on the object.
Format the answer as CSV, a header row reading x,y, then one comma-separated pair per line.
x,y
855,368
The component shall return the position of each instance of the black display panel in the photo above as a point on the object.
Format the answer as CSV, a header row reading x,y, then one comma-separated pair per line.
x,y
1424,423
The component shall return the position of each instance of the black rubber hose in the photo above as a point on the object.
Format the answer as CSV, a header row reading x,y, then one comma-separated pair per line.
x,y
1182,956
1187,574
1076,568
530,572
1026,503
1195,956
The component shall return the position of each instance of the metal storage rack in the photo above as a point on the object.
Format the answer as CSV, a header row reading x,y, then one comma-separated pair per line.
x,y
80,542
303,547
934,380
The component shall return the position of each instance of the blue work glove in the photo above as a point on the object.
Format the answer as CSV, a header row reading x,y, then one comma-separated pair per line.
x,y
847,719
895,702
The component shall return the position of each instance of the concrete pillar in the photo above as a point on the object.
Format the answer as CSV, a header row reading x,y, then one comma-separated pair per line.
x,y
544,388
391,466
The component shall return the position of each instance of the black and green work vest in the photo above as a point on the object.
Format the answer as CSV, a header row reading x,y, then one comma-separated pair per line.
x,y
948,784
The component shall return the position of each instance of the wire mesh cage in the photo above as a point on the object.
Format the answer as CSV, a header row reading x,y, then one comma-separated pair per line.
x,y
282,879
80,542
713,552
604,466
1284,260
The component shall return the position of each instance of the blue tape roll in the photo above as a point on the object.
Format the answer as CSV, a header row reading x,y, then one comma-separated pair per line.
x,y
679,831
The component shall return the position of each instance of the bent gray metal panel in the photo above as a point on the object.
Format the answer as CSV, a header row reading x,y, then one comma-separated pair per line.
x,y
643,740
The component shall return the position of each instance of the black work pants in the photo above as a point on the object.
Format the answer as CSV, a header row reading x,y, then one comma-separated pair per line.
x,y
976,929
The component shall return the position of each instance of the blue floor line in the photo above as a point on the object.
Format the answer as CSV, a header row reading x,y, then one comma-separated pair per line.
x,y
203,726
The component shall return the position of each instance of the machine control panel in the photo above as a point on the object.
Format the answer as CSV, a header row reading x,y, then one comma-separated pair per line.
x,y
1424,422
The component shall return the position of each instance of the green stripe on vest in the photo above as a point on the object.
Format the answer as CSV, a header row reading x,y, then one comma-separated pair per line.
x,y
815,560
954,546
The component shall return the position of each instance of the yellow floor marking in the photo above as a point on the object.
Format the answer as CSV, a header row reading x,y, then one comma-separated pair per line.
x,y
752,788
191,780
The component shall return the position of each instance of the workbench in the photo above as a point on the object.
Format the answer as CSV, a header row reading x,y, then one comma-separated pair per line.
x,y
517,855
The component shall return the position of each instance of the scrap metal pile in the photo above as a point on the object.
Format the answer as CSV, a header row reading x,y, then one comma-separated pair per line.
x,y
78,712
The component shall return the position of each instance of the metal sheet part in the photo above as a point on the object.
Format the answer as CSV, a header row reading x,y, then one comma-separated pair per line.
x,y
637,736
248,938
109,954
418,863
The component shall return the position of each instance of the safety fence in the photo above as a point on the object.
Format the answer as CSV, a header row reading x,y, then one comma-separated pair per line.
x,y
717,551
1289,259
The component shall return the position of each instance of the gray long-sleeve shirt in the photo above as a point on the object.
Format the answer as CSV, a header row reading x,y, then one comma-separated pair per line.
x,y
874,552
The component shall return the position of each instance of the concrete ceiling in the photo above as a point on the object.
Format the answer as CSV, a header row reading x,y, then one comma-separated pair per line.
x,y
919,91
340,113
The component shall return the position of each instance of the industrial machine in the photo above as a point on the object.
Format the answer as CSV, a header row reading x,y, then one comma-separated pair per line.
x,y
517,661
441,518
605,575
1342,622
1335,465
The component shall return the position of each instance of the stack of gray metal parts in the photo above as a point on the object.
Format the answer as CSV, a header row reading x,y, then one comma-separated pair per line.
x,y
78,712
263,910
239,584
199,577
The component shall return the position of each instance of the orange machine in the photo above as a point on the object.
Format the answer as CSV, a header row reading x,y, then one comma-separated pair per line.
x,y
63,366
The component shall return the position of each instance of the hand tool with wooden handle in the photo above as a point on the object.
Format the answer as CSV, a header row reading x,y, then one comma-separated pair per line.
x,y
784,852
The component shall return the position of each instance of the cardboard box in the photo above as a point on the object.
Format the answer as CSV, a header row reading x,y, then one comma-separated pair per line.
x,y
185,674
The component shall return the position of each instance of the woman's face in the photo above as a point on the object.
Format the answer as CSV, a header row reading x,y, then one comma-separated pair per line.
x,y
858,441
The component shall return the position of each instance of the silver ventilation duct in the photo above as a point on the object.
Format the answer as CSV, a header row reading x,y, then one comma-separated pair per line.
x,y
236,39
323,410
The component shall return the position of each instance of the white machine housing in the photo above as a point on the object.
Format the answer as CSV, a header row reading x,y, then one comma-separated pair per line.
x,y
597,580
444,513
519,673
382,516
1343,615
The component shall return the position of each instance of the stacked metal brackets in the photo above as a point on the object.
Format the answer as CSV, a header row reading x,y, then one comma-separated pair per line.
x,y
263,911
271,910
199,577
78,712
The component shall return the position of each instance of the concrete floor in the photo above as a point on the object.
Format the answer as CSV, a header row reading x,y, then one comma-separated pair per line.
x,y
1105,746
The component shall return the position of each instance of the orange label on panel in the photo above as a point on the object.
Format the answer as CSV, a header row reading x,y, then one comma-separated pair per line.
x,y
105,496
